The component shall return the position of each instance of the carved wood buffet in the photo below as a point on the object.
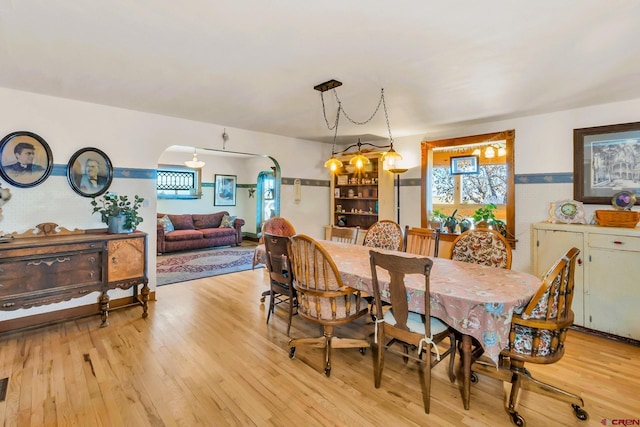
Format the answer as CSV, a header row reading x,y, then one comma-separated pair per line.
x,y
51,268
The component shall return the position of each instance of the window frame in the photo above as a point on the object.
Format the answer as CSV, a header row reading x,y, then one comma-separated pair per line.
x,y
426,166
178,168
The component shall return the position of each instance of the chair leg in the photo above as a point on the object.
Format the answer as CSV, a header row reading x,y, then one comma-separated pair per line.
x,y
378,365
425,381
452,357
328,335
271,304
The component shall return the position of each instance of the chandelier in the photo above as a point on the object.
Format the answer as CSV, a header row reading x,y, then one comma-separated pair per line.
x,y
359,160
194,163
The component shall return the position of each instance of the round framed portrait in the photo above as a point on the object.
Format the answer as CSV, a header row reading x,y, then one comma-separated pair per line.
x,y
89,172
25,159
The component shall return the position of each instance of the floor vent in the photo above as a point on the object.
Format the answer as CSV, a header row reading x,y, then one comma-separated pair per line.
x,y
3,388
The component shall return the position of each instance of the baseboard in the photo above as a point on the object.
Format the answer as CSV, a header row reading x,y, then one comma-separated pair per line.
x,y
606,335
44,319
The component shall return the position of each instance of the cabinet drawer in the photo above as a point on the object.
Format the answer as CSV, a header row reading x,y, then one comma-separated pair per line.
x,y
614,242
27,275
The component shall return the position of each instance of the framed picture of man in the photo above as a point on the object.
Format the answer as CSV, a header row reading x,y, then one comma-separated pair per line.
x,y
89,172
25,159
225,190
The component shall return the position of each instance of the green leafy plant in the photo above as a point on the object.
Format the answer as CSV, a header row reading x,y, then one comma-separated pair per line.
x,y
487,214
113,205
438,215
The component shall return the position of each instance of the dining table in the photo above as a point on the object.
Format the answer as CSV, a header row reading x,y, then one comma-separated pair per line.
x,y
476,300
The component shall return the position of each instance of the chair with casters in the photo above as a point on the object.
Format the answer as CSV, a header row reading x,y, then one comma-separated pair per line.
x,y
537,336
384,234
280,275
421,241
344,234
323,298
277,226
482,246
417,335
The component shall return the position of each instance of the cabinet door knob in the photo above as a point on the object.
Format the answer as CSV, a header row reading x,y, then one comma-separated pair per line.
x,y
114,260
618,242
579,261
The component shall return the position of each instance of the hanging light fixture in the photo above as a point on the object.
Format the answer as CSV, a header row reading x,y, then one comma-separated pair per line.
x,y
194,163
359,160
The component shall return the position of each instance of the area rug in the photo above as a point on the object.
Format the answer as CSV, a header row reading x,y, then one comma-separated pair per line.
x,y
183,266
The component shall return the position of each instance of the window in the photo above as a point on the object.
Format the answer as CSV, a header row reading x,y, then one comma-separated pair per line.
x,y
494,183
177,182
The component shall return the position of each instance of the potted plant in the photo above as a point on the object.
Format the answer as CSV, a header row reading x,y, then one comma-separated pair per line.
x,y
451,222
437,219
485,217
118,212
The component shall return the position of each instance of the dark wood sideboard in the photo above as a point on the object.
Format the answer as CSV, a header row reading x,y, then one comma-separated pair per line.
x,y
50,268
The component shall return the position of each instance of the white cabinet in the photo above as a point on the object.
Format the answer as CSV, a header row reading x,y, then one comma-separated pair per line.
x,y
607,279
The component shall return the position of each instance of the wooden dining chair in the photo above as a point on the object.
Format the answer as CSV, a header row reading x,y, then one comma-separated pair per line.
x,y
277,226
482,246
281,288
323,298
421,241
344,234
408,330
384,234
538,335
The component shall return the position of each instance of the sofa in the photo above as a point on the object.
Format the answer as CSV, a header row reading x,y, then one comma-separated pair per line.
x,y
197,231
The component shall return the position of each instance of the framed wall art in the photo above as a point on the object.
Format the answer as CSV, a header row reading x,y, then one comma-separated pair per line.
x,y
26,159
464,165
225,190
606,160
89,172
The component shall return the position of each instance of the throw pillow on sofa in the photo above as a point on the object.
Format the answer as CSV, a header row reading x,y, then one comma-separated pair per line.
x,y
182,222
227,221
166,223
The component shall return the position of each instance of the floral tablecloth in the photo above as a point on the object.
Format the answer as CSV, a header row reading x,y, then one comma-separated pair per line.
x,y
475,300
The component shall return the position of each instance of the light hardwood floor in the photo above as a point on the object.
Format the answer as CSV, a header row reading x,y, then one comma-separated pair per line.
x,y
205,356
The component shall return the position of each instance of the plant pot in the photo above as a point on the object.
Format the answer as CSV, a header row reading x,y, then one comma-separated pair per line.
x,y
464,226
116,225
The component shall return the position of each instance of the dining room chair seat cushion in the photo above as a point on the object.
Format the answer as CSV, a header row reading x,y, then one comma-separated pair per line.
x,y
308,306
416,324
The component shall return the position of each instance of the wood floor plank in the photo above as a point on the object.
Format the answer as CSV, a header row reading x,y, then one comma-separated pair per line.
x,y
205,356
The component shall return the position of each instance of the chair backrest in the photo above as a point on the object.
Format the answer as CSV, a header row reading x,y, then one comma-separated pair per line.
x,y
421,241
322,296
277,258
538,333
384,234
277,226
482,246
344,234
397,267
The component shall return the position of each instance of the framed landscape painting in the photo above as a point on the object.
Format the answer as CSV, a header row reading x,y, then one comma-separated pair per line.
x,y
225,190
606,160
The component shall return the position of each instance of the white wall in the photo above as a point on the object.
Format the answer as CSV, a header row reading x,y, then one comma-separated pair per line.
x,y
543,144
132,140
135,140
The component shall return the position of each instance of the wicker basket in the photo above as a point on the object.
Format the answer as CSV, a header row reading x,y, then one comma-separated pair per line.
x,y
610,218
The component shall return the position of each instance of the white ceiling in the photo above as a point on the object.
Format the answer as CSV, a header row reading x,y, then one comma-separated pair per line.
x,y
252,64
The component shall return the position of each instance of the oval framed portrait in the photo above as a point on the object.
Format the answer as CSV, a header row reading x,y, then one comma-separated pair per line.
x,y
25,159
89,172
